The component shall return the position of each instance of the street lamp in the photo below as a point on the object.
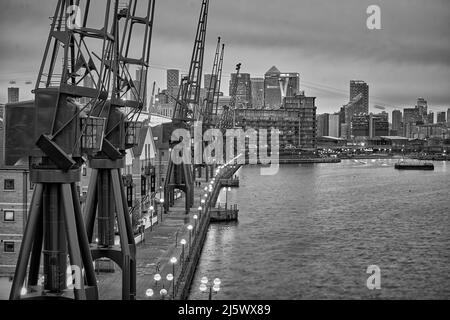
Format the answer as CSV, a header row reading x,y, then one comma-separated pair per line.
x,y
190,228
183,243
163,293
200,211
149,293
195,217
214,287
170,278
152,211
157,279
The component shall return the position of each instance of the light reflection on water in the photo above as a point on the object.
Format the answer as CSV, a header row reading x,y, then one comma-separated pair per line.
x,y
311,231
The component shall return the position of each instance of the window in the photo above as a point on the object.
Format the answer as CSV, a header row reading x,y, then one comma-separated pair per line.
x,y
9,184
8,247
9,216
84,171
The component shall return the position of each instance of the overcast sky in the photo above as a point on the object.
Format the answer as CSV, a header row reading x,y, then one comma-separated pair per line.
x,y
326,41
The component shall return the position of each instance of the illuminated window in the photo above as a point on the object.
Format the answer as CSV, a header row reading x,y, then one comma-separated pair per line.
x,y
9,216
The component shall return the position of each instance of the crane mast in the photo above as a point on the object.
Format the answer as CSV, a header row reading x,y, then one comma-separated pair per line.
x,y
186,112
64,132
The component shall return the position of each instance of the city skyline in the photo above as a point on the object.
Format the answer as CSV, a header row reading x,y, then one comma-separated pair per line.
x,y
326,44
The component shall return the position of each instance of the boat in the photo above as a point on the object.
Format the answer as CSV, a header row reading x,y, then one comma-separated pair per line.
x,y
414,166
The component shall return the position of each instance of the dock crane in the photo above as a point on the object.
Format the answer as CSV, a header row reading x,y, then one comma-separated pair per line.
x,y
106,198
62,132
209,114
186,112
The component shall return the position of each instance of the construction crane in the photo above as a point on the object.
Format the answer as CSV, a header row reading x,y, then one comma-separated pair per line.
x,y
106,198
186,112
63,132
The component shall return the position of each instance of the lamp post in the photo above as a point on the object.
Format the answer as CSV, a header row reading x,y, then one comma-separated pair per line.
x,y
152,211
170,278
214,287
195,217
173,261
163,293
190,228
183,244
200,211
162,208
149,293
157,279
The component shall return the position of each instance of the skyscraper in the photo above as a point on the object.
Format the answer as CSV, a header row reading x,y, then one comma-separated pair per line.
x,y
422,105
397,118
358,87
289,84
272,92
430,118
13,95
448,115
323,125
173,79
441,117
334,125
244,90
257,93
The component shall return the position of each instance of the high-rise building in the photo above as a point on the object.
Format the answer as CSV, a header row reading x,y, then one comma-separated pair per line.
x,y
173,79
360,126
411,116
378,125
307,113
430,118
441,117
358,87
422,105
397,118
244,90
334,126
289,84
13,95
272,92
257,93
323,125
448,115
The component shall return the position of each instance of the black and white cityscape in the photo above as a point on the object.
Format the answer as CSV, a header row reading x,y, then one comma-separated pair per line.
x,y
224,150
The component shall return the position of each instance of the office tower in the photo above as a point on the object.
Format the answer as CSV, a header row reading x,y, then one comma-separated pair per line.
x,y
357,88
422,105
448,115
430,118
13,95
272,92
244,90
378,125
257,93
289,84
397,118
441,117
173,79
360,126
323,125
334,125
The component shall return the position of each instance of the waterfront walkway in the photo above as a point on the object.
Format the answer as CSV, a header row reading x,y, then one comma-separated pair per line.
x,y
161,244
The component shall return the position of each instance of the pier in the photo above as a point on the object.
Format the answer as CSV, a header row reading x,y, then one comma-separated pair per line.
x,y
163,242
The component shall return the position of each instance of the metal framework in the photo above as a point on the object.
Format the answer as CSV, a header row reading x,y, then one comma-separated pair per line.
x,y
64,132
106,199
186,112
